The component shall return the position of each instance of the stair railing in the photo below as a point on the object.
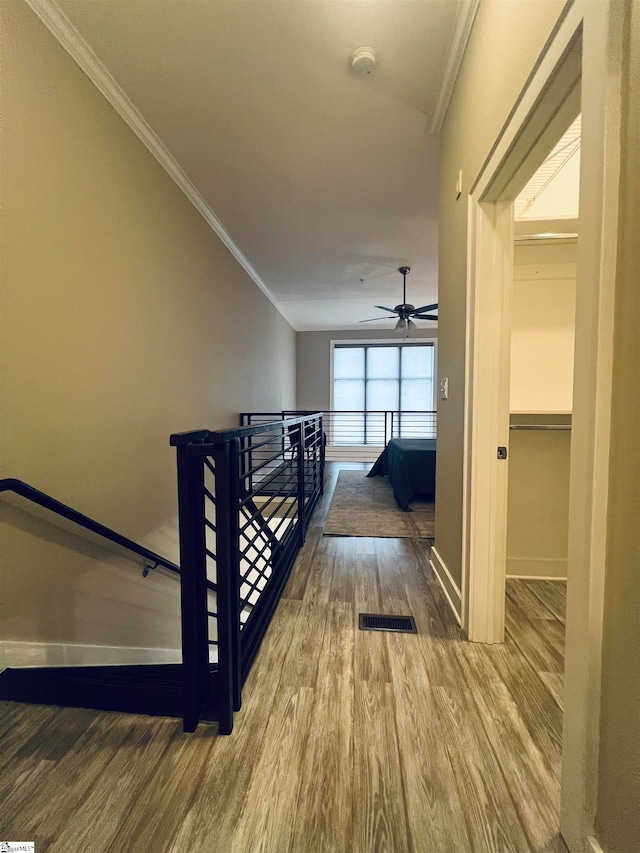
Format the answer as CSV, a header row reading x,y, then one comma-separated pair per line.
x,y
29,493
358,435
245,498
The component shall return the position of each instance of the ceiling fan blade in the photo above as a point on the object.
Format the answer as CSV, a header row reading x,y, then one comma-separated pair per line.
x,y
382,308
376,318
423,308
425,316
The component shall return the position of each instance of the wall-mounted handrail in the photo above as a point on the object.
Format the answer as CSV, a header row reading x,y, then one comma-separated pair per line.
x,y
10,484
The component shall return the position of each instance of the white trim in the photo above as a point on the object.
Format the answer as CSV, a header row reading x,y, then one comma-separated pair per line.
x,y
449,586
594,844
549,101
541,412
465,16
489,285
489,291
80,51
21,654
535,578
591,432
538,559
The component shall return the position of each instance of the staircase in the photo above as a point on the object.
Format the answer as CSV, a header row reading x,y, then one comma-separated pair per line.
x,y
244,498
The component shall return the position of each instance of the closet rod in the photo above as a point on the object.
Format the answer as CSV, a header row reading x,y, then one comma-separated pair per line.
x,y
539,426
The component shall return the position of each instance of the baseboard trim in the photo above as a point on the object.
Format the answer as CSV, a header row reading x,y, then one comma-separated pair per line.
x,y
536,578
449,586
22,654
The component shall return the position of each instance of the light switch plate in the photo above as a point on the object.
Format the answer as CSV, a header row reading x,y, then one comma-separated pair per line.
x,y
444,389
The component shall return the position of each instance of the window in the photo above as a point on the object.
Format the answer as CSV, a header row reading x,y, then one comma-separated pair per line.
x,y
379,378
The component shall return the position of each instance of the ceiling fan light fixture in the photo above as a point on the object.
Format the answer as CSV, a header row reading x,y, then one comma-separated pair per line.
x,y
404,310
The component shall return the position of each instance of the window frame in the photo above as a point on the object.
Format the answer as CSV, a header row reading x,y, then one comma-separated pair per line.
x,y
389,342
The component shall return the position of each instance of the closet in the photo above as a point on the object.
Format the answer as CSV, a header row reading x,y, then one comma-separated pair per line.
x,y
542,343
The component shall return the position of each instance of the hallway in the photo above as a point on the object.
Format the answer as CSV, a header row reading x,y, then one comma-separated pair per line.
x,y
347,740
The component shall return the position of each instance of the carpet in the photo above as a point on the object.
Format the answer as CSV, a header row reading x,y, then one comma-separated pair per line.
x,y
366,507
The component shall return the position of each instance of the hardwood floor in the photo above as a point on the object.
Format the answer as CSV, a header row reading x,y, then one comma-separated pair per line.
x,y
347,740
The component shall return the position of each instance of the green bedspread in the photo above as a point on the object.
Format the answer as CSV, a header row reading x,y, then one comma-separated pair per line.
x,y
410,464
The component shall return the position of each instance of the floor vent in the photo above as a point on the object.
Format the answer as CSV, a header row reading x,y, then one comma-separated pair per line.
x,y
379,622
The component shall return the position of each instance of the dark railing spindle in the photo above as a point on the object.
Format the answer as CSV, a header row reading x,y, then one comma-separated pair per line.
x,y
321,437
260,472
227,614
300,455
193,586
234,575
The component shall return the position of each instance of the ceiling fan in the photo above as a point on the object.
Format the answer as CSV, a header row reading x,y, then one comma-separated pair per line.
x,y
405,312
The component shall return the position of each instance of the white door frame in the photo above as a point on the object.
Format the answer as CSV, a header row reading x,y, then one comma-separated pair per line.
x,y
546,108
486,418
582,57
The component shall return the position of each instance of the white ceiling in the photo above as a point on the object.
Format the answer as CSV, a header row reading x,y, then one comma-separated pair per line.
x,y
319,178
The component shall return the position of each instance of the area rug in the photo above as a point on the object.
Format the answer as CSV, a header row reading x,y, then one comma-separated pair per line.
x,y
366,507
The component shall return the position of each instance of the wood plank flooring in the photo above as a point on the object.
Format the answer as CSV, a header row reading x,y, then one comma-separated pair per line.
x,y
347,740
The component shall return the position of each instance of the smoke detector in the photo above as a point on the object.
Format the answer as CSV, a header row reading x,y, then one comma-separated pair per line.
x,y
363,61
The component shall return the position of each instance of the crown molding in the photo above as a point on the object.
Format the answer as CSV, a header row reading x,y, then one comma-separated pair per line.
x,y
80,51
465,16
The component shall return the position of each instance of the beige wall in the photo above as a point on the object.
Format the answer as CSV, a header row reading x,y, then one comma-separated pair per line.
x,y
538,502
493,72
542,344
313,361
618,807
123,319
543,328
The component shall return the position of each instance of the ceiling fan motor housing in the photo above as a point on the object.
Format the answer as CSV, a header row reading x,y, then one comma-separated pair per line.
x,y
405,308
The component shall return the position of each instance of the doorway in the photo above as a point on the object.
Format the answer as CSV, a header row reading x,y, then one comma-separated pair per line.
x,y
551,101
542,343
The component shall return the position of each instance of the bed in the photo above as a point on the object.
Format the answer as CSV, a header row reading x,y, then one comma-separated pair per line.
x,y
410,464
